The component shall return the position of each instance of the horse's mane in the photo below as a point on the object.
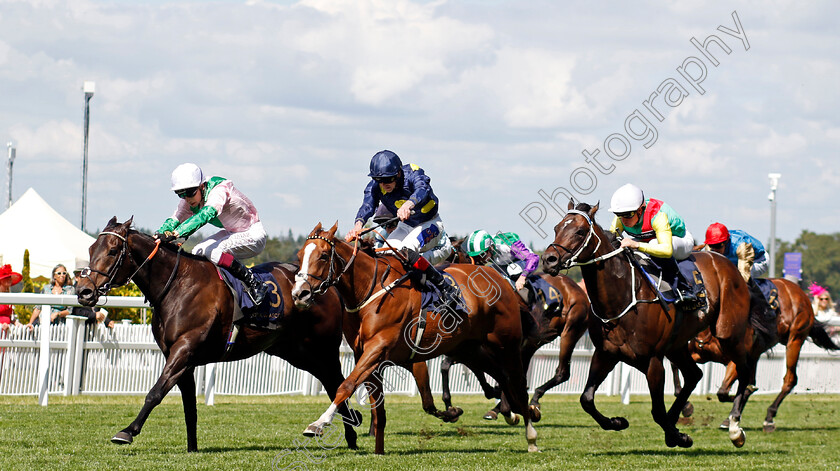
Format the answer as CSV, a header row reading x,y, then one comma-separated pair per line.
x,y
611,238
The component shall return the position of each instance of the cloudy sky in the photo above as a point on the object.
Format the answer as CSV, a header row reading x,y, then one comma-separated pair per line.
x,y
496,100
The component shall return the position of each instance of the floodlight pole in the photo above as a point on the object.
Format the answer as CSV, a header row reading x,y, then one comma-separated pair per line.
x,y
774,183
9,171
89,88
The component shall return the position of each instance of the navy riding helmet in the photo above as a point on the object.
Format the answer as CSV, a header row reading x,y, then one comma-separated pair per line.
x,y
385,164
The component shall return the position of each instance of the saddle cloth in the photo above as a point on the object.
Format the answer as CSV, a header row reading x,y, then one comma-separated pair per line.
x,y
548,295
665,280
267,315
431,300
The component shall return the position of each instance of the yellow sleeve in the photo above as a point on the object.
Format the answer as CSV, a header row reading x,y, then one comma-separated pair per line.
x,y
616,226
663,247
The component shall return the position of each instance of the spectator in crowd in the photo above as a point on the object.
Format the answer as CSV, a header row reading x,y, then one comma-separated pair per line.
x,y
8,278
823,307
59,284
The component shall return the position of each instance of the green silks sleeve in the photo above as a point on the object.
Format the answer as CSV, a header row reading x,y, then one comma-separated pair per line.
x,y
194,222
168,225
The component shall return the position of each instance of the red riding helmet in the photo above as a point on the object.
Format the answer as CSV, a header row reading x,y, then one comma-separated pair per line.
x,y
716,233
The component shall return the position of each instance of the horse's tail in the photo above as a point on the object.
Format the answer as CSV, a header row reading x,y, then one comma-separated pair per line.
x,y
820,337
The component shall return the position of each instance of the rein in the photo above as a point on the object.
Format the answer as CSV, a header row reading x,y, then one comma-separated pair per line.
x,y
112,272
572,262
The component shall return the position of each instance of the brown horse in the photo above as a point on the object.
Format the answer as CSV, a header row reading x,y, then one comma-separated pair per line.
x,y
569,323
631,325
389,319
193,312
795,324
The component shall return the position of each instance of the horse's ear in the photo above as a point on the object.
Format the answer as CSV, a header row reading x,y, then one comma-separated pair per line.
x,y
571,204
316,230
130,221
594,209
112,222
333,229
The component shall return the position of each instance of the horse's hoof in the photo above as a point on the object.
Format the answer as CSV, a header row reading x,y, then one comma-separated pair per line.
x,y
688,409
536,415
313,431
533,449
512,419
724,425
680,439
491,415
452,414
725,397
769,427
619,423
738,438
122,438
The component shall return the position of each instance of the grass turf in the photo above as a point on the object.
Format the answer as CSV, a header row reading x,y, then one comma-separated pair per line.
x,y
265,433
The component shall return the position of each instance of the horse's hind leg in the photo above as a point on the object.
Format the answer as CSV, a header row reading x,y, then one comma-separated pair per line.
x,y
187,386
792,358
600,366
377,402
682,361
688,408
174,368
656,383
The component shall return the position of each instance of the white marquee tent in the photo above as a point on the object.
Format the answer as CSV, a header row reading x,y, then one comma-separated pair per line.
x,y
30,223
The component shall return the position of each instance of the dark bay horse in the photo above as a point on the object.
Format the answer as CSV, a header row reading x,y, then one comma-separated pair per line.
x,y
569,322
193,312
629,325
388,324
794,324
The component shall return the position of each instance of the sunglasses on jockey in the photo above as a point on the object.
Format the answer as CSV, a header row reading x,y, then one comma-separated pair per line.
x,y
385,179
186,193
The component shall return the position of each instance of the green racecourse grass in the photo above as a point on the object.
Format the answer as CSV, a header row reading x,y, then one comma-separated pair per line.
x,y
250,432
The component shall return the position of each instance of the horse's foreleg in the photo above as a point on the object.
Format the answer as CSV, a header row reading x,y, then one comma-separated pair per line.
x,y
656,384
367,363
600,365
792,358
172,371
187,386
445,366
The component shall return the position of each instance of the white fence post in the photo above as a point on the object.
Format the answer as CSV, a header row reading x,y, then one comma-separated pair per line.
x,y
210,384
44,359
78,356
69,355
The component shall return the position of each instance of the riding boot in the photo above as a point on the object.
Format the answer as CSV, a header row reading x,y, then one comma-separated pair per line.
x,y
450,294
689,287
256,289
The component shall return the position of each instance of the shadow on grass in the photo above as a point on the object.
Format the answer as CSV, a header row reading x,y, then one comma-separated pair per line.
x,y
694,452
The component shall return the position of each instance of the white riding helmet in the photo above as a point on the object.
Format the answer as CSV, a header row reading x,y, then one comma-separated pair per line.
x,y
186,176
627,198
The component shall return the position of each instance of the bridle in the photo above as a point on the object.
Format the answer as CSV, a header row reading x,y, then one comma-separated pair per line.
x,y
112,272
573,260
331,278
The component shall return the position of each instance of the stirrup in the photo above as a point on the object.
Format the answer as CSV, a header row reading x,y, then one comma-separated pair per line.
x,y
257,293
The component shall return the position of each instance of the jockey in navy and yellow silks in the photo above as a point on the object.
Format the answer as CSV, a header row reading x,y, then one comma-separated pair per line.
x,y
412,186
405,191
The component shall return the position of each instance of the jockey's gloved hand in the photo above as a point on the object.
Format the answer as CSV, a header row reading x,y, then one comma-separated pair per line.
x,y
167,236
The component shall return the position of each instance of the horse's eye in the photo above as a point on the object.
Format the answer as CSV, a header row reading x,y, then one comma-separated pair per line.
x,y
581,232
113,252
323,256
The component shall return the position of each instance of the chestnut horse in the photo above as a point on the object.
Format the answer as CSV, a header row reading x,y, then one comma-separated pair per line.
x,y
389,319
794,325
193,312
631,325
569,324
